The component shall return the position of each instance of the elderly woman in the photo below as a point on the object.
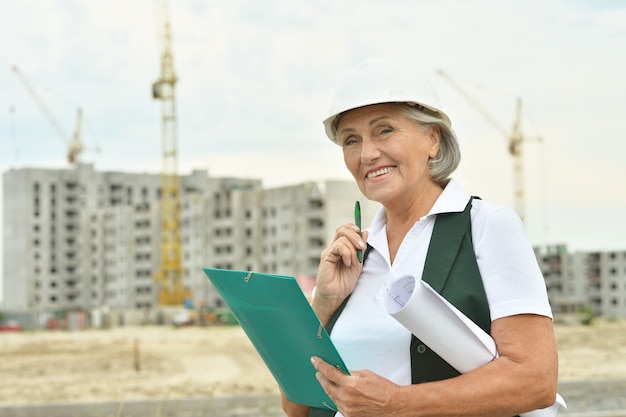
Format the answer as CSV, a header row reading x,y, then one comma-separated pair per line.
x,y
400,147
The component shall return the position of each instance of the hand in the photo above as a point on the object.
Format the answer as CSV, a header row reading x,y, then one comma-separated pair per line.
x,y
362,394
339,269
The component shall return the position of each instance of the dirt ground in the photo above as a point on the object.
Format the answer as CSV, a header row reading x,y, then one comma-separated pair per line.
x,y
162,363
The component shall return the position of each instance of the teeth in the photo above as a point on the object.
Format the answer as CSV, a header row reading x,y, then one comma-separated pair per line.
x,y
379,172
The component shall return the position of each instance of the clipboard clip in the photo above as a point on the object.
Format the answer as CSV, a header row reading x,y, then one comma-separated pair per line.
x,y
328,406
247,278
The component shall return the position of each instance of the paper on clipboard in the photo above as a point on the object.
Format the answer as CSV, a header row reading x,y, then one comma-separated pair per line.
x,y
282,326
436,322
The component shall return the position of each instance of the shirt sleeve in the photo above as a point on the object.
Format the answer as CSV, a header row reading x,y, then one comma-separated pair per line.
x,y
513,281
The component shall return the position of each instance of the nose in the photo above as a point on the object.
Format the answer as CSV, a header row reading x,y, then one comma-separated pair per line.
x,y
369,151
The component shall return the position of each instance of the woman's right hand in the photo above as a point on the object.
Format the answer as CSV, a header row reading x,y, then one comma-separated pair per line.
x,y
338,271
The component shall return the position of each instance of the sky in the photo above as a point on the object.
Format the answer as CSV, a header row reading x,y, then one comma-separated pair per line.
x,y
255,80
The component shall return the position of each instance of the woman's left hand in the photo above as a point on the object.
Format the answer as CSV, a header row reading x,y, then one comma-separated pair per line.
x,y
362,393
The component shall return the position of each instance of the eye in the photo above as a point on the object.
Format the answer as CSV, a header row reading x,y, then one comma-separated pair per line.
x,y
350,140
384,130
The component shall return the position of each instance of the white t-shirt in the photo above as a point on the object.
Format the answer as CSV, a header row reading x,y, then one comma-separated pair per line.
x,y
367,337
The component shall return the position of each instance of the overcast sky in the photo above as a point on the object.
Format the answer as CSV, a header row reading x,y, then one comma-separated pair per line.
x,y
256,78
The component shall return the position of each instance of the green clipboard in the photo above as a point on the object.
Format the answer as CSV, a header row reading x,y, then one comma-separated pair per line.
x,y
282,326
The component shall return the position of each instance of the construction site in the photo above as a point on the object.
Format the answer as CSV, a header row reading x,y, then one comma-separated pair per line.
x,y
113,316
107,246
193,371
171,294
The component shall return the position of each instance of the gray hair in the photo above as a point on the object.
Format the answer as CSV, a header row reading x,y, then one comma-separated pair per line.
x,y
449,154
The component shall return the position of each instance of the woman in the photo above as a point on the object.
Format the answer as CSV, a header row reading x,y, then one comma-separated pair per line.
x,y
401,150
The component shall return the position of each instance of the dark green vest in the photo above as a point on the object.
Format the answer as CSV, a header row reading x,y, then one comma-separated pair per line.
x,y
451,269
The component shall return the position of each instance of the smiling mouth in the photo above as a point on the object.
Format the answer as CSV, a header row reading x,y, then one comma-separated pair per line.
x,y
379,172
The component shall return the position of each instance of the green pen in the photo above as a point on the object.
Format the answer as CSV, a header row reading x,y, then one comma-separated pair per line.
x,y
357,221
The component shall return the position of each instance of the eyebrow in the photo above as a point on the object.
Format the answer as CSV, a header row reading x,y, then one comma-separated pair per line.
x,y
370,123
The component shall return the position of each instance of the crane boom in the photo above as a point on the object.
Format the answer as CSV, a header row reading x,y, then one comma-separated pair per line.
x,y
40,103
170,274
515,141
75,145
474,103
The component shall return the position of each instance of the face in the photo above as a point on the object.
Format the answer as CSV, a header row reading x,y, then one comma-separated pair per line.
x,y
386,152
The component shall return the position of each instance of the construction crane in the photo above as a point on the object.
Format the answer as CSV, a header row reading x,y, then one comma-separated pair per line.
x,y
515,138
170,273
74,144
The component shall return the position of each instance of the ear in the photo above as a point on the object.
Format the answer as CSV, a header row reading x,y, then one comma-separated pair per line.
x,y
434,136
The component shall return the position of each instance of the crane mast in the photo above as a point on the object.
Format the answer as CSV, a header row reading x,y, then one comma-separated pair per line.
x,y
515,144
516,141
75,146
170,273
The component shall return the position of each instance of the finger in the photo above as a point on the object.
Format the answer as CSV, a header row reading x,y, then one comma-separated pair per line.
x,y
356,237
346,228
352,233
349,230
329,372
327,386
341,249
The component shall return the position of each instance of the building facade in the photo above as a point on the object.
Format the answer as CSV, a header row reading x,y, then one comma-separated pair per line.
x,y
580,281
82,240
612,267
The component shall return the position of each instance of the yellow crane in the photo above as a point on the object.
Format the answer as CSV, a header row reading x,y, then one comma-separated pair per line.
x,y
170,273
74,144
515,138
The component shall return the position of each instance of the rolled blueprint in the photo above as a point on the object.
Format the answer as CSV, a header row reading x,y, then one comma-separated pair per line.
x,y
446,330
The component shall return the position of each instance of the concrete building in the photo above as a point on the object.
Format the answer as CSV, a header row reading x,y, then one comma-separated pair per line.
x,y
613,283
278,230
78,239
566,279
584,280
82,240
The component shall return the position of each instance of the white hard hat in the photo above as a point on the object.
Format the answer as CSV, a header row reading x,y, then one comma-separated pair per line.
x,y
382,80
